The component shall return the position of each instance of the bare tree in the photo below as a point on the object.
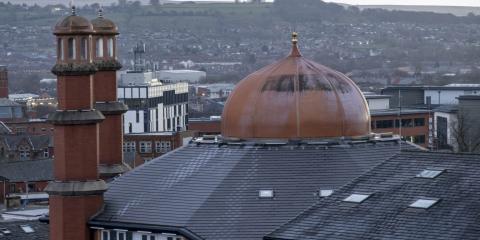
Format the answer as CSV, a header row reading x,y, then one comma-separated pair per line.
x,y
466,132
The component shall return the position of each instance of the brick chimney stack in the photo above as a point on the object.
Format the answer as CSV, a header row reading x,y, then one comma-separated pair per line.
x,y
3,82
76,194
105,97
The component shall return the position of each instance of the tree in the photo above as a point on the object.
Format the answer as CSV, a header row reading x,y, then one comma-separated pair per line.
x,y
155,2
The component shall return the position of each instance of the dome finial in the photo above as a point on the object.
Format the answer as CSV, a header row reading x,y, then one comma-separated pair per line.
x,y
100,12
295,52
294,38
72,5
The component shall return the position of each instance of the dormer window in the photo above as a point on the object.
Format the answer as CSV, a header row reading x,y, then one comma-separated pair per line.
x,y
99,47
60,49
110,47
84,48
72,53
24,152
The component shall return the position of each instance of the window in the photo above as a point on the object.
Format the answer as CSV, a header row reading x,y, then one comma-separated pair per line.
x,y
163,146
430,173
137,116
384,124
24,152
21,130
12,188
105,235
419,122
420,139
356,198
407,123
121,235
99,47
110,47
424,203
72,51
46,153
84,48
145,147
60,49
265,193
129,147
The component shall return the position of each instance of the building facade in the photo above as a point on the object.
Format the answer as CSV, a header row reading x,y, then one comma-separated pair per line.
x,y
413,125
155,107
3,81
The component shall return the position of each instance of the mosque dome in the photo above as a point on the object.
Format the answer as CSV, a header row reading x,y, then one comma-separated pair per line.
x,y
295,98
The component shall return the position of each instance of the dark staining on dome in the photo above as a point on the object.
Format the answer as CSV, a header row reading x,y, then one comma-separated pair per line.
x,y
339,83
306,82
282,83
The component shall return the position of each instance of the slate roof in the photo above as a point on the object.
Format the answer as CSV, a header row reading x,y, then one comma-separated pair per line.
x,y
40,230
387,215
37,142
212,190
28,170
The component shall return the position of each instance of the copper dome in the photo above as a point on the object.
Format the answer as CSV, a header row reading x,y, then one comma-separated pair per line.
x,y
295,98
73,24
102,25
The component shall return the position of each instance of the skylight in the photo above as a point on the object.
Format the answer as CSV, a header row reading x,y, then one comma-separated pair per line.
x,y
265,193
325,193
27,228
424,203
430,173
356,198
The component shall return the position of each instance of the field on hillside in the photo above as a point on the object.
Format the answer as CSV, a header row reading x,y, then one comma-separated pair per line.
x,y
458,11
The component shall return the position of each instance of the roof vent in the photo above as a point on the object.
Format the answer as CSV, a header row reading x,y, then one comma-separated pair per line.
x,y
267,193
27,228
357,198
424,203
430,173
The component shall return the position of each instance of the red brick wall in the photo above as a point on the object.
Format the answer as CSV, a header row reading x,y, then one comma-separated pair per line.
x,y
406,131
207,127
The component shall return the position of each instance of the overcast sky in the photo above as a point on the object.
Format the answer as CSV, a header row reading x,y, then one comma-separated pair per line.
x,y
412,2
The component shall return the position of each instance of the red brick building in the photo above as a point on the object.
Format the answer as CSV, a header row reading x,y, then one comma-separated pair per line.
x,y
204,126
412,124
139,148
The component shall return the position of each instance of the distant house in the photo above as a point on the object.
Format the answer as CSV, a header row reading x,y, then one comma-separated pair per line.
x,y
25,147
20,177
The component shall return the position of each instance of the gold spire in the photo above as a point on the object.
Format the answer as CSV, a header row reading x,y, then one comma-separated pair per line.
x,y
294,37
295,52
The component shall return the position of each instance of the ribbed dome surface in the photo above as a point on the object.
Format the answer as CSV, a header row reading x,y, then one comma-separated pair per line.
x,y
295,98
73,24
103,25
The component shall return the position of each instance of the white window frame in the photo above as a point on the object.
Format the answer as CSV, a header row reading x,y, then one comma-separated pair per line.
x,y
129,146
145,146
46,153
105,231
24,152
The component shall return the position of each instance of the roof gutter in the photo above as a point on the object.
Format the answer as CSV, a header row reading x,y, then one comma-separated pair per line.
x,y
146,227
